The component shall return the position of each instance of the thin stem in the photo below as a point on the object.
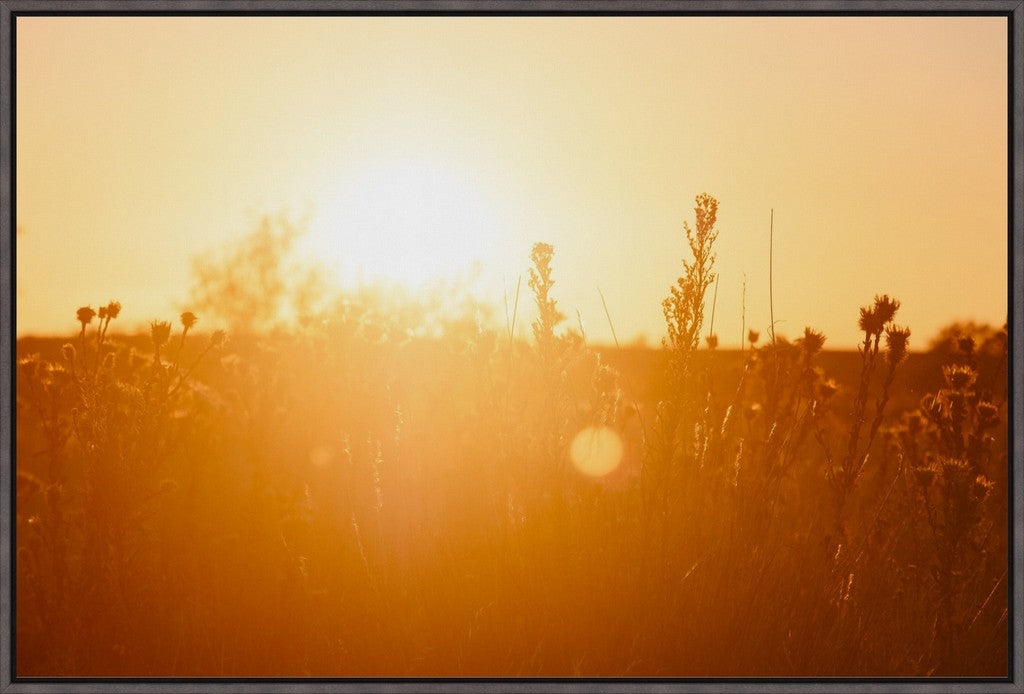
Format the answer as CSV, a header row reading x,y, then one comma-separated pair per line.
x,y
771,264
743,319
714,303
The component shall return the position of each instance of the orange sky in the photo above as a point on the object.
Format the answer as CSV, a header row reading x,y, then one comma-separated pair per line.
x,y
420,144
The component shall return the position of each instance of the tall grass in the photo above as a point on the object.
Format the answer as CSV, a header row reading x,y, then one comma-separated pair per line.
x,y
392,489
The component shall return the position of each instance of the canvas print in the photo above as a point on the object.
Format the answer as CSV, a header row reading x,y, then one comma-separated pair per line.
x,y
511,346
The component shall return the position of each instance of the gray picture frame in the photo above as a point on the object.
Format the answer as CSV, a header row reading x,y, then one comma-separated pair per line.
x,y
10,10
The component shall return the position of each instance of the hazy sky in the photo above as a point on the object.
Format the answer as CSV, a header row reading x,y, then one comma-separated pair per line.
x,y
420,144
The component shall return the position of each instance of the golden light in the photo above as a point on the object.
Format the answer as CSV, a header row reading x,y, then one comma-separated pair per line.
x,y
596,451
404,220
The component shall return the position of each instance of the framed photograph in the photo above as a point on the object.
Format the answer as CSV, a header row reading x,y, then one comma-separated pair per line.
x,y
560,346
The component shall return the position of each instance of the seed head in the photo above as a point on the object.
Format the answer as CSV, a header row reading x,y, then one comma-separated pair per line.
x,y
29,368
981,487
873,319
896,340
752,336
85,315
188,319
68,352
959,377
113,309
811,342
159,332
712,341
886,308
869,323
955,472
987,414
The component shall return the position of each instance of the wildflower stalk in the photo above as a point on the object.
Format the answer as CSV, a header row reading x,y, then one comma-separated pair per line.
x,y
874,321
548,315
684,308
897,347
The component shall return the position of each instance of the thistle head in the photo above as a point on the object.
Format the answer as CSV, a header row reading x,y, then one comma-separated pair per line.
x,y
113,309
811,342
873,319
159,332
959,377
753,336
988,414
886,308
85,315
188,319
955,472
981,487
896,340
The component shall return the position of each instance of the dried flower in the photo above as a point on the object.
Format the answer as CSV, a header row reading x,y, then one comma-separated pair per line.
x,y
981,487
160,332
712,341
85,315
896,340
886,308
188,319
987,414
869,323
959,377
955,472
873,320
752,336
113,309
811,342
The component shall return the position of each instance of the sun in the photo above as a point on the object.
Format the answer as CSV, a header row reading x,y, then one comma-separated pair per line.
x,y
404,220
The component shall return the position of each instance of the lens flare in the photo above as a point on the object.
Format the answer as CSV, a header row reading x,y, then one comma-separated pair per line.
x,y
596,451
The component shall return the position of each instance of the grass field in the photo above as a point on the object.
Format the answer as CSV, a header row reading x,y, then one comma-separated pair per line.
x,y
390,492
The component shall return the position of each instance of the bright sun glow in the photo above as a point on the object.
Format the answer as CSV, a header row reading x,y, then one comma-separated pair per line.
x,y
408,221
